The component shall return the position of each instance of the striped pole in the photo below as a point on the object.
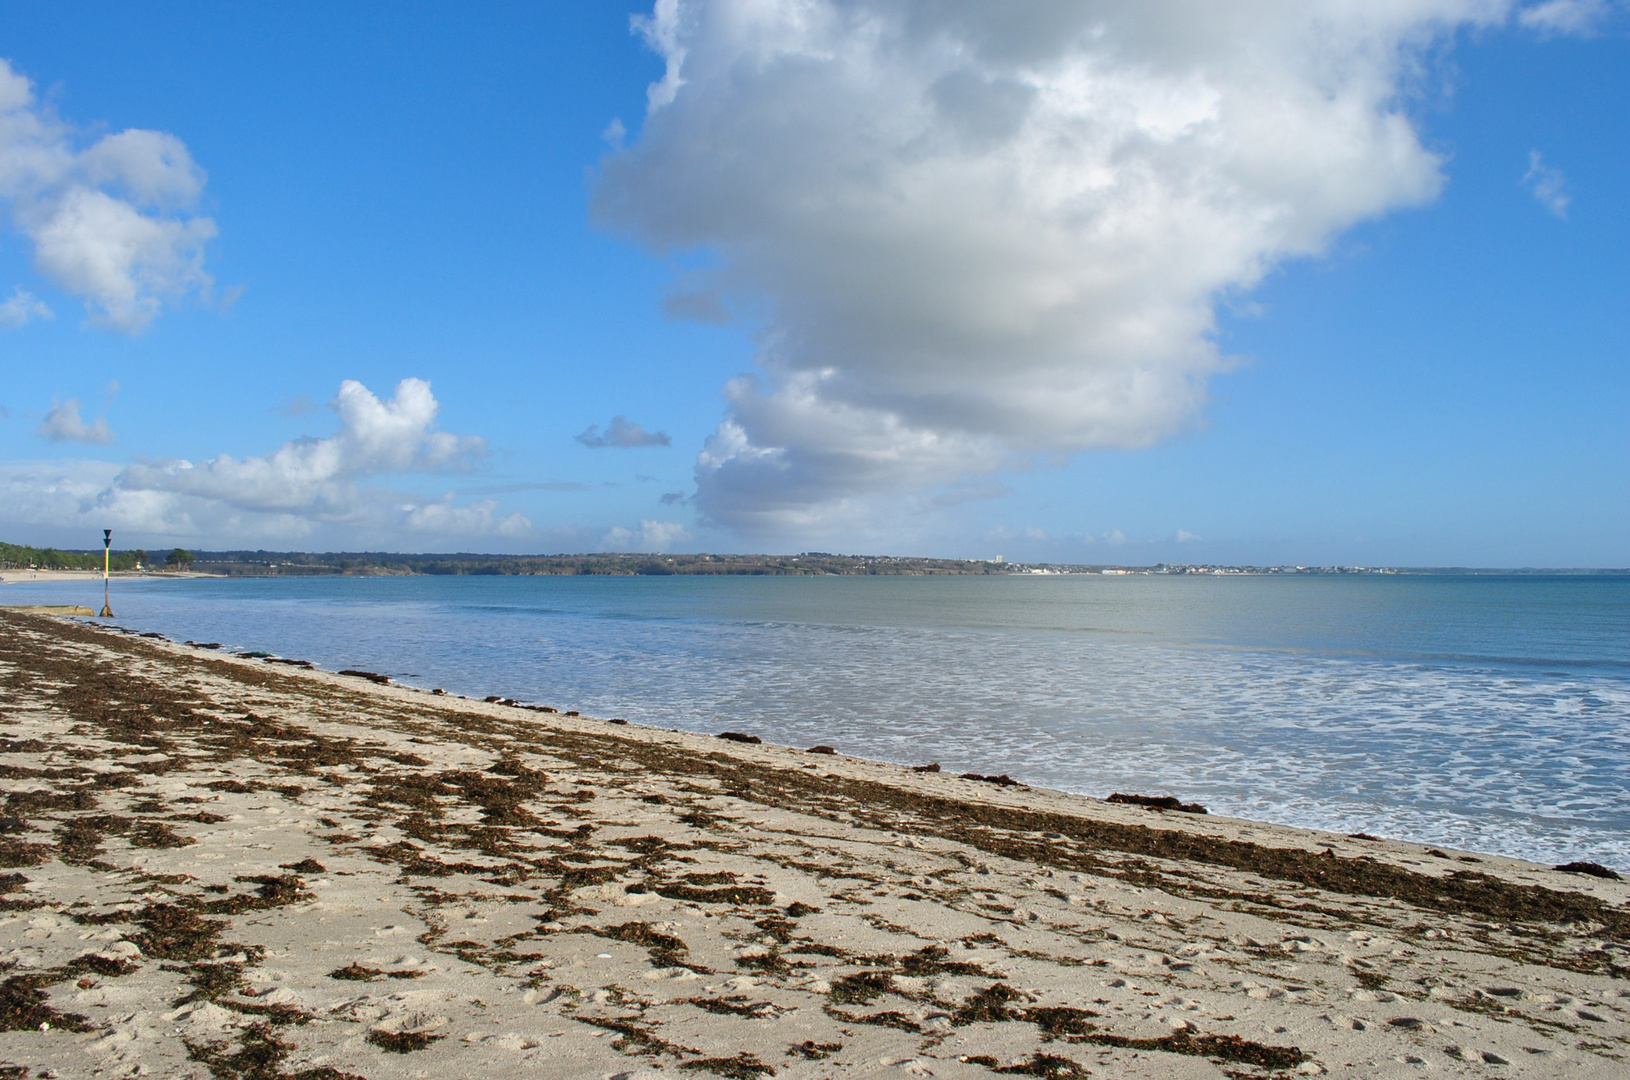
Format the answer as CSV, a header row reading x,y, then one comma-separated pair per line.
x,y
107,558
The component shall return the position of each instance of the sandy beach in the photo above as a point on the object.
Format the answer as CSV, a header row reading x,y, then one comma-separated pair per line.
x,y
225,866
89,577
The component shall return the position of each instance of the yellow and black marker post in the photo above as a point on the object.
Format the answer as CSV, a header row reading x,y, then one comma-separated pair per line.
x,y
107,559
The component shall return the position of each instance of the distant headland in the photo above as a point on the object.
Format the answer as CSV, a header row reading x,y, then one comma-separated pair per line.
x,y
616,564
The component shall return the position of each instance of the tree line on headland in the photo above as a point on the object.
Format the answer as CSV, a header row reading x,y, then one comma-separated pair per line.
x,y
23,557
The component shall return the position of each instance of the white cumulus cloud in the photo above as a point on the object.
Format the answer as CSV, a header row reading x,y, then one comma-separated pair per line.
x,y
63,424
110,222
318,477
22,308
312,487
981,234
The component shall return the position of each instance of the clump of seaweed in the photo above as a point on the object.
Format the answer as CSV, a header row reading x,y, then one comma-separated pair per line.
x,y
79,841
1590,868
108,966
1047,1066
175,932
1003,780
24,1006
888,1018
1061,1021
989,1005
666,950
733,894
633,1039
932,961
212,981
271,891
403,1042
861,988
740,1067
157,834
304,866
259,1055
1158,802
735,1005
354,972
810,1050
1217,1047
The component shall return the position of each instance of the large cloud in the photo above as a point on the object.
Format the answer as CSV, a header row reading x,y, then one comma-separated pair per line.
x,y
308,487
976,233
109,222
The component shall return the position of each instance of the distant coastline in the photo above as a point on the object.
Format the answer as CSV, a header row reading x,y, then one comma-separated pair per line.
x,y
18,563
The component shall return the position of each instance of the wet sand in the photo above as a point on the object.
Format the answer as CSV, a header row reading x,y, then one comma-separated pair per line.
x,y
218,866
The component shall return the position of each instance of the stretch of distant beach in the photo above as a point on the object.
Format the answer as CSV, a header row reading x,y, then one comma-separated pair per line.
x,y
223,865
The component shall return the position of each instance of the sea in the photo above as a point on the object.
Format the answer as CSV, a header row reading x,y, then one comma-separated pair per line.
x,y
1483,712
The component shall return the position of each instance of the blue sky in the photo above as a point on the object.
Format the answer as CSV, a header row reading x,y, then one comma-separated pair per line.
x,y
1046,281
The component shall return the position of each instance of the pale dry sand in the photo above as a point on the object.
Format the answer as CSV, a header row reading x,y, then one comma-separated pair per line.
x,y
88,577
220,867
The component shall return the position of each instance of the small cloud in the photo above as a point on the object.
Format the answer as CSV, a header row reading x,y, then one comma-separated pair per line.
x,y
652,536
615,133
1033,533
622,434
672,498
1563,16
1114,536
63,424
476,519
1184,536
23,308
298,405
1547,185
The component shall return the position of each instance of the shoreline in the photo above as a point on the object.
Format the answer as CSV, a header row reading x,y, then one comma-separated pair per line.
x,y
18,577
235,834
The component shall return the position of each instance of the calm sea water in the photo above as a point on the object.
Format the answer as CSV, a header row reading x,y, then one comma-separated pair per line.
x,y
1488,713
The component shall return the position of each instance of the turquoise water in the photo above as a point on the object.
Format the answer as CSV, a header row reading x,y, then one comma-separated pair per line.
x,y
1488,713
